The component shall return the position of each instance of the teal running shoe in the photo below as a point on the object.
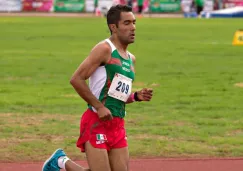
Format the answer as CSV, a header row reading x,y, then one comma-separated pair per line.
x,y
51,164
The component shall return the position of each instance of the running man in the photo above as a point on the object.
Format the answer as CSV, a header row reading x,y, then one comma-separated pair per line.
x,y
110,70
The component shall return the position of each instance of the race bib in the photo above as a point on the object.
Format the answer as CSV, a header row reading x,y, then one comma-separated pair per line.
x,y
121,87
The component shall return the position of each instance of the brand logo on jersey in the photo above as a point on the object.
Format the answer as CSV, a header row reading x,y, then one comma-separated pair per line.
x,y
125,63
126,69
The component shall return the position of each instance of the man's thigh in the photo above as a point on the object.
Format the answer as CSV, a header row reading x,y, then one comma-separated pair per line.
x,y
97,158
119,159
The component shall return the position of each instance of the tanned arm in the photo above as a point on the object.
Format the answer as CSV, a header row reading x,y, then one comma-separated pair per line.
x,y
99,55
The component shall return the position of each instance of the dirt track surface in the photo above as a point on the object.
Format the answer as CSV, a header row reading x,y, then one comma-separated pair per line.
x,y
235,164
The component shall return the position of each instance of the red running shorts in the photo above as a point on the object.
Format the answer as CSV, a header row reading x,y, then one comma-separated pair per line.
x,y
101,134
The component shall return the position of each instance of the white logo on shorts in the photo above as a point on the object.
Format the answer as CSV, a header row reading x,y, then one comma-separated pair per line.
x,y
100,142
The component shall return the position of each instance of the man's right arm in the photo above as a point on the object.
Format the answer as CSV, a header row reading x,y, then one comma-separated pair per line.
x,y
100,54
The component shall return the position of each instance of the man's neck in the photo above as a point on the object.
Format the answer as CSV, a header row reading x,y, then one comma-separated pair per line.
x,y
118,44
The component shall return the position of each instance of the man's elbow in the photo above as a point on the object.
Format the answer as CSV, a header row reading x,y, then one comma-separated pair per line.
x,y
76,81
72,81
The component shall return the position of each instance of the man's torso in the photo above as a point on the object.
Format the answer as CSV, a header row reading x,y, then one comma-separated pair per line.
x,y
112,83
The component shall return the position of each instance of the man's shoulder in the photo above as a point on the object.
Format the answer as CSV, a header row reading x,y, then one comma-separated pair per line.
x,y
101,52
103,45
132,56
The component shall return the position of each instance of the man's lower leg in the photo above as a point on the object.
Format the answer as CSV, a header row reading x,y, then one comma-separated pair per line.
x,y
72,166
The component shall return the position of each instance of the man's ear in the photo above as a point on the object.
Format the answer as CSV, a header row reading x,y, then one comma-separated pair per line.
x,y
113,28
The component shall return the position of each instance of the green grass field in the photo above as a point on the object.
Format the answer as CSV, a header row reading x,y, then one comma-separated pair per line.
x,y
197,109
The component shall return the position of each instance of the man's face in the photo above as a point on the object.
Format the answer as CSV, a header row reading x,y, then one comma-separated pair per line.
x,y
126,28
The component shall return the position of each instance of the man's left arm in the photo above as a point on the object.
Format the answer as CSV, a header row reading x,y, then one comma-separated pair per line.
x,y
145,94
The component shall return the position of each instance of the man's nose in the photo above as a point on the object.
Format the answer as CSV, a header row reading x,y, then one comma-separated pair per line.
x,y
133,27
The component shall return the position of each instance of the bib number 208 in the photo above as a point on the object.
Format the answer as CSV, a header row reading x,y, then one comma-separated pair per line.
x,y
122,87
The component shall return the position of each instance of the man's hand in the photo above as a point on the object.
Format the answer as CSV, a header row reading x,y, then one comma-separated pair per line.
x,y
145,94
104,114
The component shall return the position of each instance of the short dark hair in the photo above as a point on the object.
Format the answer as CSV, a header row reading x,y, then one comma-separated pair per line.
x,y
114,14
